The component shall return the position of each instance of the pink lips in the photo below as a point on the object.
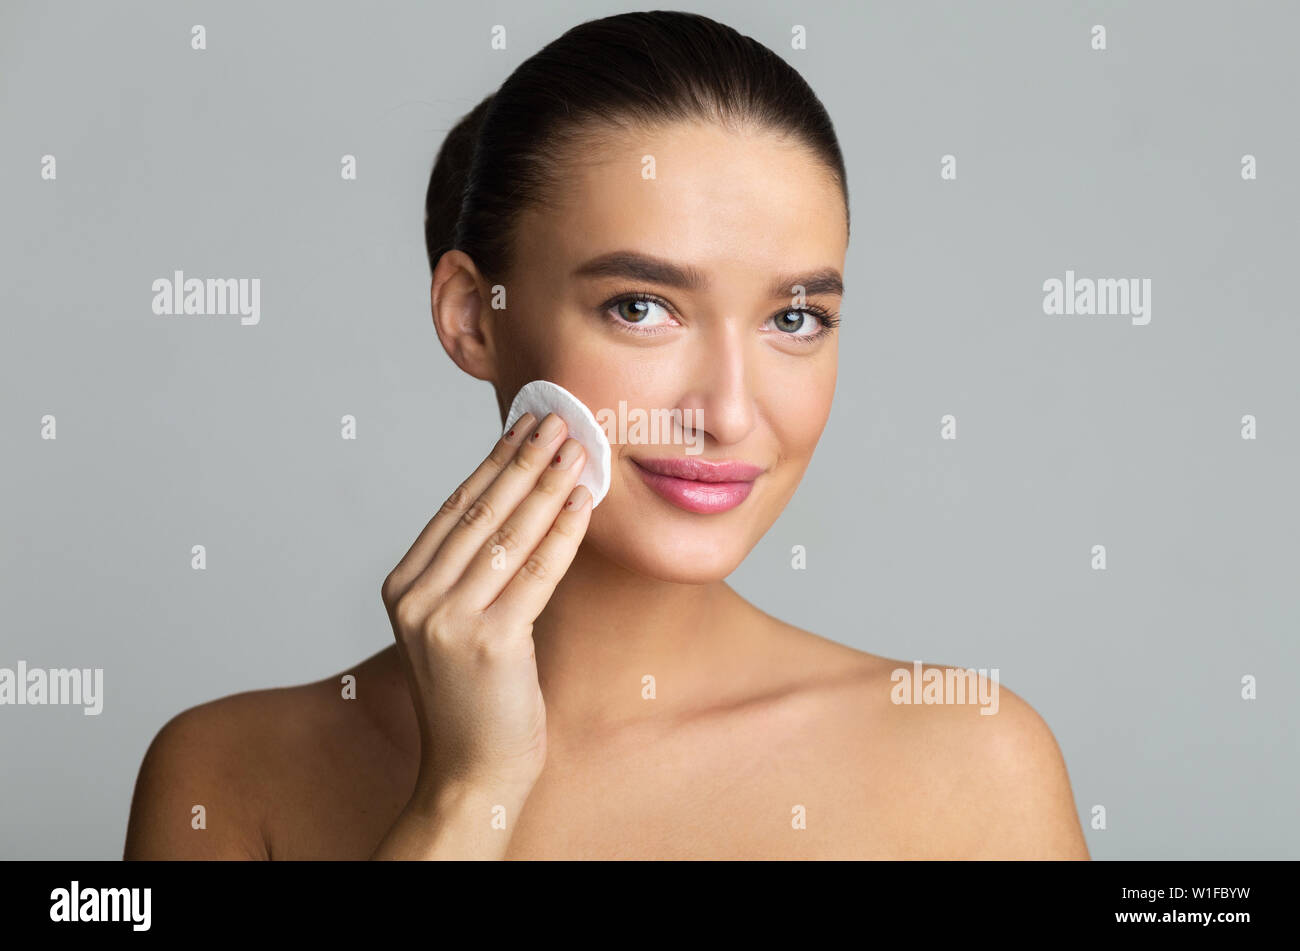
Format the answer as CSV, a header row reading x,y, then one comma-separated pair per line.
x,y
698,485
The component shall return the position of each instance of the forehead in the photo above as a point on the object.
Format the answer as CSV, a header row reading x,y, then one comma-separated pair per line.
x,y
727,202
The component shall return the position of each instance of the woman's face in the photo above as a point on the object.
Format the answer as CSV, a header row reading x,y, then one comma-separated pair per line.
x,y
733,222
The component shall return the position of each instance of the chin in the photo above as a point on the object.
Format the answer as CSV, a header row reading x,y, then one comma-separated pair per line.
x,y
667,548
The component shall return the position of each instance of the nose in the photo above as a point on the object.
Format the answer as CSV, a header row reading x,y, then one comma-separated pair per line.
x,y
719,387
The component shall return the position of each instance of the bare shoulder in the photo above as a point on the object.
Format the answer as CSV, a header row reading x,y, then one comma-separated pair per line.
x,y
967,758
213,773
993,757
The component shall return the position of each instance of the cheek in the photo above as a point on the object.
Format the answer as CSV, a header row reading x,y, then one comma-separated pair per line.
x,y
602,377
561,349
798,410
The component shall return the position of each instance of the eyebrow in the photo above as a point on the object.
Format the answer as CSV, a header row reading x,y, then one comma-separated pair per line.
x,y
644,267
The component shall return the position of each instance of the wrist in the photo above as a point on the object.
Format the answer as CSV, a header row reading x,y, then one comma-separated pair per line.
x,y
454,820
448,797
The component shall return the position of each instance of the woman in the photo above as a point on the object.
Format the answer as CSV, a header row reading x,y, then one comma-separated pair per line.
x,y
663,206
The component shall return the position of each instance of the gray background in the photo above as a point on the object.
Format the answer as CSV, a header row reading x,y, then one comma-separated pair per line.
x,y
1072,431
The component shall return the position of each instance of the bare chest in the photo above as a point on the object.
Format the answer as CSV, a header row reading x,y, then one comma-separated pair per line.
x,y
756,786
758,789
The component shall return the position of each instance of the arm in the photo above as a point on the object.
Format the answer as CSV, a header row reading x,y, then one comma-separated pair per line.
x,y
193,761
1021,805
455,823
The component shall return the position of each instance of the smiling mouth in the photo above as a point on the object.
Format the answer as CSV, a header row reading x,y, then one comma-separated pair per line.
x,y
697,485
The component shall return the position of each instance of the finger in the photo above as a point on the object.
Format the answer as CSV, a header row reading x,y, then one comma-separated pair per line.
x,y
506,549
533,584
486,513
421,551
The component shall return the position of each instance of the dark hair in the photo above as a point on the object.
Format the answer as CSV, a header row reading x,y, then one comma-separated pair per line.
x,y
631,68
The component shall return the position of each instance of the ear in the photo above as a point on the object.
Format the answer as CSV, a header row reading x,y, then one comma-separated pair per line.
x,y
461,315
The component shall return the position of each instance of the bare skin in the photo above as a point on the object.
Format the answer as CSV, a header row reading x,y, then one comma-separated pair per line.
x,y
299,773
754,723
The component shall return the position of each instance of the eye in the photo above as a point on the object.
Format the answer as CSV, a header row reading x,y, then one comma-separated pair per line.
x,y
801,323
642,313
805,323
639,313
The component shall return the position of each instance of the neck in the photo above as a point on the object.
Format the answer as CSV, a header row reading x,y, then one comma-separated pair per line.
x,y
606,628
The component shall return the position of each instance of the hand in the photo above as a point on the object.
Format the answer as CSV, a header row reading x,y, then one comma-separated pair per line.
x,y
463,600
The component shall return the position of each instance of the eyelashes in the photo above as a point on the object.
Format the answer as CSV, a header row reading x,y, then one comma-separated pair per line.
x,y
827,319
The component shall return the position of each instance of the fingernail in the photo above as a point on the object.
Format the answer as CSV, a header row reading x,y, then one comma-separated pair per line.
x,y
549,430
567,455
579,497
520,427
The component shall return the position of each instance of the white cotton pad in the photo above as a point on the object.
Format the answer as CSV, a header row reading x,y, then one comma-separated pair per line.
x,y
542,397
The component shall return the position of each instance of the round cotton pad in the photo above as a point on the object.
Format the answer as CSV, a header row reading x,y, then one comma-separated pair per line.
x,y
541,397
